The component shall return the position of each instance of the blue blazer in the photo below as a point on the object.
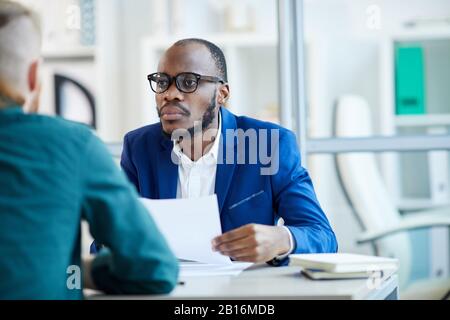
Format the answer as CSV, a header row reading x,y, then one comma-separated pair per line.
x,y
244,194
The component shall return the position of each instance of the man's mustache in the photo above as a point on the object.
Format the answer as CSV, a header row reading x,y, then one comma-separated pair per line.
x,y
176,105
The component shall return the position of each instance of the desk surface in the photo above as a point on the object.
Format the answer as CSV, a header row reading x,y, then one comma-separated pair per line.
x,y
267,282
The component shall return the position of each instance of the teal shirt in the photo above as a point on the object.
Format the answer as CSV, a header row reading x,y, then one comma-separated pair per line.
x,y
53,174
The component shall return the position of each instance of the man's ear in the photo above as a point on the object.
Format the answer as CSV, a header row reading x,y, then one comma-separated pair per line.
x,y
33,76
32,102
224,93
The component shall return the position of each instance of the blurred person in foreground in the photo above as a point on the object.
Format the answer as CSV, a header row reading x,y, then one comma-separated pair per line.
x,y
54,174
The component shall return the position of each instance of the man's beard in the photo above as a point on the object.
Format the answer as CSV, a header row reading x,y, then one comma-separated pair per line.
x,y
207,118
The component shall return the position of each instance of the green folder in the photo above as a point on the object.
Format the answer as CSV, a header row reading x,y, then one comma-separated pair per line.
x,y
409,80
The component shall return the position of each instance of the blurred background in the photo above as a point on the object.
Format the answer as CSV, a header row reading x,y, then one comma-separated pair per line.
x,y
360,68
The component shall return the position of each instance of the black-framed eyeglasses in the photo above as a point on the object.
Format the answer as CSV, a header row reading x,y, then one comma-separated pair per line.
x,y
186,82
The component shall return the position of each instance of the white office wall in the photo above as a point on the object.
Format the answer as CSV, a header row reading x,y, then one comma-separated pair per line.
x,y
109,64
137,23
121,27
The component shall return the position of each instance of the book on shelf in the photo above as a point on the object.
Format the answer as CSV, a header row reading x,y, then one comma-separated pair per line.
x,y
410,80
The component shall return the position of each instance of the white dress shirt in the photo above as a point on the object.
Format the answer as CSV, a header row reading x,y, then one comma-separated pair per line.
x,y
198,178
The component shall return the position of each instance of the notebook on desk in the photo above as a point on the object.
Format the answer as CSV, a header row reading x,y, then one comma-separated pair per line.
x,y
319,275
323,275
341,265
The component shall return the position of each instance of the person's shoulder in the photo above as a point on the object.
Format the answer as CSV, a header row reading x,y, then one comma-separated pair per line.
x,y
152,131
63,128
63,138
245,123
271,130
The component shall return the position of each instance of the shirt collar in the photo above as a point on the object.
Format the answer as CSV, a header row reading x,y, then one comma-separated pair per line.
x,y
213,152
11,109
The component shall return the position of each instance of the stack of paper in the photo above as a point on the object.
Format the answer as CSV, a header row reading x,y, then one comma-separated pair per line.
x,y
189,225
192,269
342,265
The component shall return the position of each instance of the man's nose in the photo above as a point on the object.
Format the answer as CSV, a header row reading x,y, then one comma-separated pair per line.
x,y
172,93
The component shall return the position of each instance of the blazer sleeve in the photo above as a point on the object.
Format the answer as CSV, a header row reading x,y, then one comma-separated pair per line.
x,y
296,202
127,164
136,258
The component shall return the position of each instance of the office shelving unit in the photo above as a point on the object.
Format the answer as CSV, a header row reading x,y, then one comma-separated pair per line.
x,y
422,121
64,49
436,120
401,170
69,53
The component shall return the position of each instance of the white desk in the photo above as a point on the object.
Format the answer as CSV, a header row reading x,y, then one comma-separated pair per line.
x,y
266,282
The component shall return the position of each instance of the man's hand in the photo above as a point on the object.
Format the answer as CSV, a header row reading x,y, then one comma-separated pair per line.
x,y
88,283
253,243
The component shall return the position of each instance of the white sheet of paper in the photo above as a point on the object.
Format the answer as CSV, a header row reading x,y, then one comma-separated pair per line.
x,y
189,225
193,269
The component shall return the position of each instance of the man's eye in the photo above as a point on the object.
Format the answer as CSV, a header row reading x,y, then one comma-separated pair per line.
x,y
161,83
190,83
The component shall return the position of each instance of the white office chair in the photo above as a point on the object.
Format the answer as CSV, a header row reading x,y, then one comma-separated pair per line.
x,y
383,225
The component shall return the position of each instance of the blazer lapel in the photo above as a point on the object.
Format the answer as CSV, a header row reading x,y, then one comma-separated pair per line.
x,y
167,170
226,167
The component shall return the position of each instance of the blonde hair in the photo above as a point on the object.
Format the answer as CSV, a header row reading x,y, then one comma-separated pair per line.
x,y
20,42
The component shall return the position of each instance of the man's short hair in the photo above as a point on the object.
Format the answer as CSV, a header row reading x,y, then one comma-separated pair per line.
x,y
10,10
215,51
20,42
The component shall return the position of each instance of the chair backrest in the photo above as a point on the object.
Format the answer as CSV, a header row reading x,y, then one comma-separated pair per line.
x,y
363,183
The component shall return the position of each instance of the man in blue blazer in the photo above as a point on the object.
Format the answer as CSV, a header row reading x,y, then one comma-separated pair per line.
x,y
200,148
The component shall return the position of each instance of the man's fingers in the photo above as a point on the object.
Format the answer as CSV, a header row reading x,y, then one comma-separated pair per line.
x,y
233,235
239,253
229,248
